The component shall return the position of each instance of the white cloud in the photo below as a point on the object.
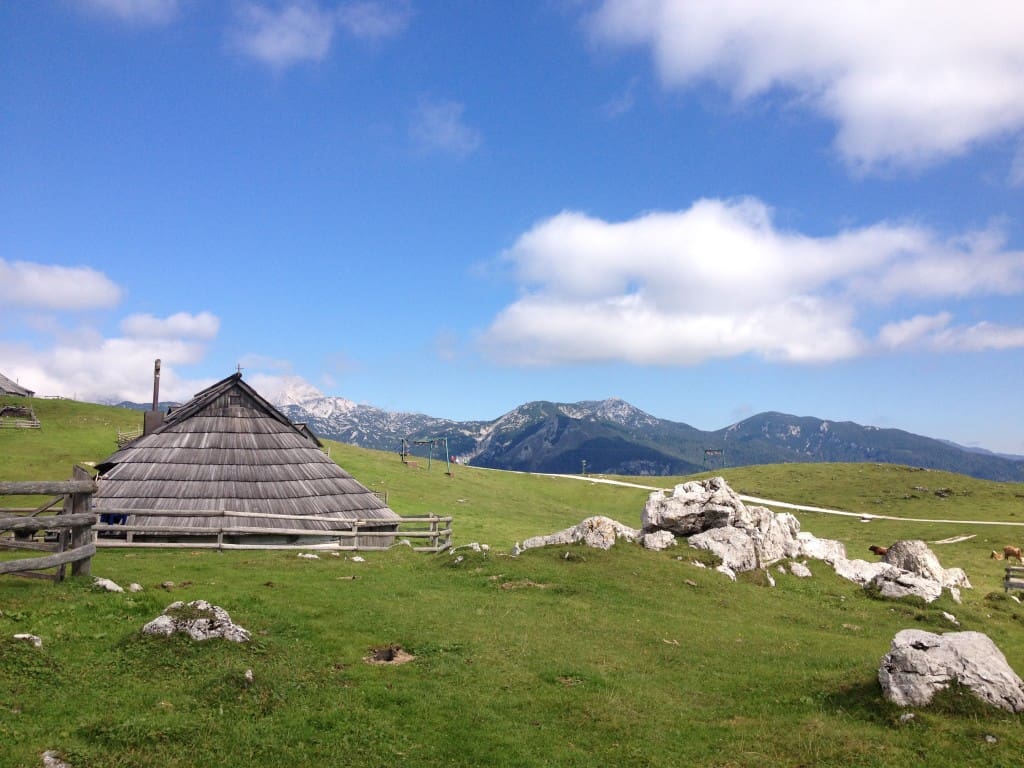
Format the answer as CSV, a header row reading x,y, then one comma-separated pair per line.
x,y
52,287
297,32
721,280
373,20
302,30
1017,168
107,370
180,325
936,333
908,83
136,11
439,126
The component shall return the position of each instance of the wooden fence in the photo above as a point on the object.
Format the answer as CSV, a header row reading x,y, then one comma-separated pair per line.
x,y
434,531
1014,578
68,533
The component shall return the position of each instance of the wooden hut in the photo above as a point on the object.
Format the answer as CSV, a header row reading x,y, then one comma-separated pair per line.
x,y
229,449
8,387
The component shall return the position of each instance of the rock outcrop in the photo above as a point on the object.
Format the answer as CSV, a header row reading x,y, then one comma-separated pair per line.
x,y
714,518
598,532
199,620
920,664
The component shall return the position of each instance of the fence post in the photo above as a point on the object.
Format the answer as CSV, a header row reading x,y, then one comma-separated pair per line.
x,y
433,532
82,535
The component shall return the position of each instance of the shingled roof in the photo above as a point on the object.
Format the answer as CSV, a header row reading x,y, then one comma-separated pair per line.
x,y
230,449
8,387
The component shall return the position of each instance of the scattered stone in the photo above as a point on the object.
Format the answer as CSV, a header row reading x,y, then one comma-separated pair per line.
x,y
598,532
308,556
770,578
919,664
474,546
727,571
357,559
335,554
134,587
800,570
906,717
852,627
107,584
52,759
249,677
34,639
697,563
658,540
950,618
199,620
167,585
781,569
691,582
990,739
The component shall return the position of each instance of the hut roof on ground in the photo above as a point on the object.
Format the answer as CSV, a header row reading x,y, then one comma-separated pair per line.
x,y
8,387
230,449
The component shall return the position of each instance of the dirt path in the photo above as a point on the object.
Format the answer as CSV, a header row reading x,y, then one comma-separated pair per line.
x,y
863,516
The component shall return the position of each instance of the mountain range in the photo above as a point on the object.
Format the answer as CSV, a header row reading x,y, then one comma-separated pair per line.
x,y
613,437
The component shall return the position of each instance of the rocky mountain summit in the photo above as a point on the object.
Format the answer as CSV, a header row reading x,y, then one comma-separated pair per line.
x,y
612,436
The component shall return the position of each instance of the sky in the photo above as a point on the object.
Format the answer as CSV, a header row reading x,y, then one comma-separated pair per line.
x,y
709,210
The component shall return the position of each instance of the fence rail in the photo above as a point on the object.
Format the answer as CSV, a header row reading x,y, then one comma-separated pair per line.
x,y
349,535
70,537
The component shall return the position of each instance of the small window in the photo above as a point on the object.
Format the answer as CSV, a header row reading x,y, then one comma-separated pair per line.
x,y
234,399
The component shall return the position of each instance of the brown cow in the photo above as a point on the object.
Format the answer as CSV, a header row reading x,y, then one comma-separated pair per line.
x,y
1009,552
880,551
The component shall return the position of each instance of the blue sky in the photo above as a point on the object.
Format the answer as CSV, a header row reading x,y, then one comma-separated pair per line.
x,y
706,209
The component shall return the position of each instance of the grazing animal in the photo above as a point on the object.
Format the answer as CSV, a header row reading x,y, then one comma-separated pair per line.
x,y
996,555
1009,552
880,551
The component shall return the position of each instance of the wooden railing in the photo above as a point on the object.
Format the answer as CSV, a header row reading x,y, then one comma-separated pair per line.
x,y
69,532
1014,578
349,535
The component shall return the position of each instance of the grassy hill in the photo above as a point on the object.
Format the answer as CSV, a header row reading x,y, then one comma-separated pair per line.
x,y
560,657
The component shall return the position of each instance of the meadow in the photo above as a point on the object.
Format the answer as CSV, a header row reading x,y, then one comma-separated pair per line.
x,y
563,656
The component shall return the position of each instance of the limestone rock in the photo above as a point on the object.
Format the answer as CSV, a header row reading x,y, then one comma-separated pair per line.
x,y
829,550
34,639
107,584
724,569
658,540
598,532
904,584
800,570
919,664
134,587
733,546
199,620
863,572
693,507
914,555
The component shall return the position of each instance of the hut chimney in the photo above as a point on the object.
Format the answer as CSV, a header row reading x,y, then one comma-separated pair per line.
x,y
156,385
154,418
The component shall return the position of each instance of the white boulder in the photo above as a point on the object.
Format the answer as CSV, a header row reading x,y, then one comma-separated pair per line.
x,y
919,664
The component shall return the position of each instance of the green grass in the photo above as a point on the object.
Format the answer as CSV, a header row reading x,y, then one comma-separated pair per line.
x,y
623,657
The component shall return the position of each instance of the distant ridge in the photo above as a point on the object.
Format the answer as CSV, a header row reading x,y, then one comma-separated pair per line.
x,y
614,437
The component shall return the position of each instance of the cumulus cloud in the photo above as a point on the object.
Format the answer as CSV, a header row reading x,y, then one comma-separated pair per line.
x,y
180,325
722,280
935,332
53,287
439,126
293,32
907,83
135,11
